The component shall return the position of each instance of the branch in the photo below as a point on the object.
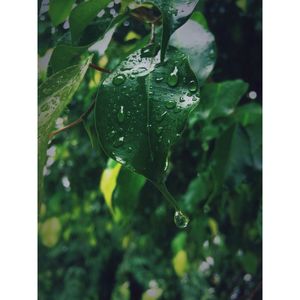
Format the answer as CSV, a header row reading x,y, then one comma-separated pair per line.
x,y
78,121
99,68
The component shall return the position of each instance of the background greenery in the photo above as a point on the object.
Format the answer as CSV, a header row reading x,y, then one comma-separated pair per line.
x,y
105,233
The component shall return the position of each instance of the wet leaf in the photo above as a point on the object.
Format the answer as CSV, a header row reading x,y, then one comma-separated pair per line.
x,y
54,94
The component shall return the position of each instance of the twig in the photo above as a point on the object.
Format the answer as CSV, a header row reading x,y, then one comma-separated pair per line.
x,y
99,68
78,121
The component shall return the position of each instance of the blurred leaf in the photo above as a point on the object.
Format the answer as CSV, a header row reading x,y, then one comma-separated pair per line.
x,y
54,95
219,100
59,10
127,192
249,262
200,49
108,182
178,243
231,157
199,18
83,14
174,14
180,263
50,231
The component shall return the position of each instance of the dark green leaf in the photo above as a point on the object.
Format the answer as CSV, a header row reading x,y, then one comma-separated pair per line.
x,y
142,108
199,46
219,99
83,14
59,10
54,94
174,13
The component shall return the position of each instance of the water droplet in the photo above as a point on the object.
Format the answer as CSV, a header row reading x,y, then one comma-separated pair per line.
x,y
44,107
119,142
170,104
193,86
180,219
121,115
173,78
159,79
159,130
119,79
181,99
161,117
130,149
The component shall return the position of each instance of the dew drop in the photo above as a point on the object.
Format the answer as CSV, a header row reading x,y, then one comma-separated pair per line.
x,y
161,117
159,79
119,142
159,130
192,86
180,219
173,78
170,104
119,79
121,115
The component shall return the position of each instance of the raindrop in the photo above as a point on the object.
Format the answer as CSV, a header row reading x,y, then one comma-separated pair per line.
x,y
119,142
119,79
192,86
173,78
159,79
159,130
170,104
161,117
180,219
181,99
121,115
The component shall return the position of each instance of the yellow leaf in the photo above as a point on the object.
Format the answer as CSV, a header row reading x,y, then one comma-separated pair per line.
x,y
180,263
108,183
131,35
213,226
50,232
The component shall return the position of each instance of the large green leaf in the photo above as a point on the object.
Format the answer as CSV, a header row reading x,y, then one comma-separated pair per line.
x,y
198,44
54,94
83,14
59,10
142,109
174,13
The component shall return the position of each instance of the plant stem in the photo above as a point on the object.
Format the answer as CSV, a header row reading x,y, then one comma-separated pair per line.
x,y
152,36
99,68
79,120
163,189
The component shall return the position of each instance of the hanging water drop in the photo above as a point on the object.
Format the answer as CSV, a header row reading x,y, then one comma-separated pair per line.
x,y
193,86
180,219
173,78
170,104
121,115
119,79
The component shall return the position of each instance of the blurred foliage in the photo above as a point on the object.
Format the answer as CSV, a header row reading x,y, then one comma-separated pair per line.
x,y
106,233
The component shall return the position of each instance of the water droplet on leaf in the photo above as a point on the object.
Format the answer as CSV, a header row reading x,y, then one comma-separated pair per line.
x,y
180,219
159,79
193,86
173,78
44,107
170,104
121,115
119,79
119,142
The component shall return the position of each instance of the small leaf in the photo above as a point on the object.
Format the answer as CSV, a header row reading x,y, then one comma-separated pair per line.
x,y
180,263
54,94
83,14
108,182
174,13
59,10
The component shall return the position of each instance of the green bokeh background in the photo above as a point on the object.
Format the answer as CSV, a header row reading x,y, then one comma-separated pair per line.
x,y
136,252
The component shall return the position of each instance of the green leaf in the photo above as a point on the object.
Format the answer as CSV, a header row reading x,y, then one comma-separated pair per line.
x,y
127,192
64,56
174,13
83,14
231,157
59,10
54,94
142,109
219,100
199,45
